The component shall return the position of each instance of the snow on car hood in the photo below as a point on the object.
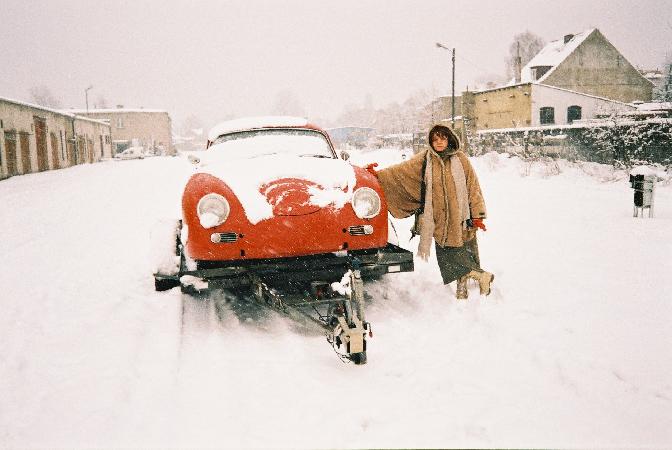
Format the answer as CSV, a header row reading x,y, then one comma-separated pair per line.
x,y
335,180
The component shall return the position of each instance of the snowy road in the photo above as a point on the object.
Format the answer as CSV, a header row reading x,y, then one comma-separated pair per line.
x,y
572,349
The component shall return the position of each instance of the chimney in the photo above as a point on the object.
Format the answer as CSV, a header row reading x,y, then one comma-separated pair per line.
x,y
120,106
519,64
568,37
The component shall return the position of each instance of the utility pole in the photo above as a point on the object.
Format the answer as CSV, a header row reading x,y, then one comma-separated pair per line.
x,y
452,112
86,94
518,66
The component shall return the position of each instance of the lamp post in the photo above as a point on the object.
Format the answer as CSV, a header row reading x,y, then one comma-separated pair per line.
x,y
86,94
452,98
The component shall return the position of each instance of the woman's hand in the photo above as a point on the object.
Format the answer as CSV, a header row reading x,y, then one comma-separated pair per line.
x,y
477,223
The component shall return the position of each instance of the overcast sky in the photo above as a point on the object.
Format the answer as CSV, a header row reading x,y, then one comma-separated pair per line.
x,y
220,58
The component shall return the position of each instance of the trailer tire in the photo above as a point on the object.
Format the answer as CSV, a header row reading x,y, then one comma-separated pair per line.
x,y
358,358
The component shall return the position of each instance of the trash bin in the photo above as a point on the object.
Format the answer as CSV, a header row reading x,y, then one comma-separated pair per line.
x,y
644,186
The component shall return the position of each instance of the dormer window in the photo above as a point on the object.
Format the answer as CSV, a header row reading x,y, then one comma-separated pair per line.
x,y
539,71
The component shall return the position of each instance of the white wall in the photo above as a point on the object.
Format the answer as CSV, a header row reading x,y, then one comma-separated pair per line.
x,y
562,99
17,116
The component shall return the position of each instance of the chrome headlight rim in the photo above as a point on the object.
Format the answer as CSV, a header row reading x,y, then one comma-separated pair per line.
x,y
371,194
203,208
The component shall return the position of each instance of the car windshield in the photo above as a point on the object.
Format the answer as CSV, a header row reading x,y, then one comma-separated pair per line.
x,y
276,141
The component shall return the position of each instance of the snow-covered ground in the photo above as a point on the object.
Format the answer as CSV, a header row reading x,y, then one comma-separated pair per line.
x,y
572,349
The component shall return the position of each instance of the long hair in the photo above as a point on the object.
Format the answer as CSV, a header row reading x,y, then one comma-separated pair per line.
x,y
446,133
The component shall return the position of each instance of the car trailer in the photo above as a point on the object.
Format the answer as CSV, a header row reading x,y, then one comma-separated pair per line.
x,y
324,291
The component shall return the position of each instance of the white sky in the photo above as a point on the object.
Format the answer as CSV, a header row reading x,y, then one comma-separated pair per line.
x,y
216,59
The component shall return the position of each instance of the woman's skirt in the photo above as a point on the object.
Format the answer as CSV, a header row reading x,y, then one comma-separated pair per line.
x,y
456,262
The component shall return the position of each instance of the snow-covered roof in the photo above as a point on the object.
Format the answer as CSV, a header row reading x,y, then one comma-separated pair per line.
x,y
655,106
498,88
553,54
52,110
247,123
652,75
115,110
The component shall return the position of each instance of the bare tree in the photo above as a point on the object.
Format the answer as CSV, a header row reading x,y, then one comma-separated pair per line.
x,y
191,126
530,44
100,102
664,92
42,95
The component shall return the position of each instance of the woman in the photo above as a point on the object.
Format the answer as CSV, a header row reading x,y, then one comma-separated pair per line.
x,y
441,188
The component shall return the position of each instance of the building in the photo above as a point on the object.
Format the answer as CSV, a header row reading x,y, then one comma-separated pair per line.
x,y
149,128
534,105
579,77
350,136
588,63
34,139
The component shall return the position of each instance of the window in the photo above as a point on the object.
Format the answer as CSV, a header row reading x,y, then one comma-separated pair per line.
x,y
540,71
573,113
547,115
120,122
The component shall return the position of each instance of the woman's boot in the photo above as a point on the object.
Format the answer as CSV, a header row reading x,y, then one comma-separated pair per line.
x,y
484,280
462,293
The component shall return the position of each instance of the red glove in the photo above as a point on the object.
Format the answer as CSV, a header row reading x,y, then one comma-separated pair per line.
x,y
478,223
371,169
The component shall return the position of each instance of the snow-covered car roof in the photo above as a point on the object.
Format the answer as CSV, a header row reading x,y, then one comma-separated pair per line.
x,y
255,122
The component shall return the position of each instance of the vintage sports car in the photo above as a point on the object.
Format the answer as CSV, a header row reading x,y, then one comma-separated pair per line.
x,y
271,207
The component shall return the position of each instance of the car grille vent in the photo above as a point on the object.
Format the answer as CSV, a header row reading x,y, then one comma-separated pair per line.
x,y
360,230
221,238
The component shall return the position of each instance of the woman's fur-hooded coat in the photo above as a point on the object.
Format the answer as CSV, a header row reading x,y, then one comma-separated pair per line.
x,y
402,184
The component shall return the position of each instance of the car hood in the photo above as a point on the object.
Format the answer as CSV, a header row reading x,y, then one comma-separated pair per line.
x,y
285,185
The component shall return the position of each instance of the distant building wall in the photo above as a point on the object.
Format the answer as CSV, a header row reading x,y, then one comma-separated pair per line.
x,y
152,128
35,139
596,67
507,107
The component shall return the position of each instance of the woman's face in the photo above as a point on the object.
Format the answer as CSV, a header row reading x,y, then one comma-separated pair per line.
x,y
439,142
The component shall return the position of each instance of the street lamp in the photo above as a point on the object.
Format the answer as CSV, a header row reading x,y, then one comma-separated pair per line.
x,y
452,112
86,94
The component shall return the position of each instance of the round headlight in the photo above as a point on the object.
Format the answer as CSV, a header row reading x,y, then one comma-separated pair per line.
x,y
213,210
366,203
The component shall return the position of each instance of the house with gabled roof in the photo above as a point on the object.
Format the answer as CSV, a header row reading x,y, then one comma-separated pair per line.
x,y
579,77
588,63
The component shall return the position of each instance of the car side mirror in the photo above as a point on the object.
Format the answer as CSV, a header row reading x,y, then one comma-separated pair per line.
x,y
345,155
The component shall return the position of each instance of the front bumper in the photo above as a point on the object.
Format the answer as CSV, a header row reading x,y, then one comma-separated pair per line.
x,y
324,267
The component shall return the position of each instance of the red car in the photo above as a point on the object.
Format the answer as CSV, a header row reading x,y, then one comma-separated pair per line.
x,y
271,206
